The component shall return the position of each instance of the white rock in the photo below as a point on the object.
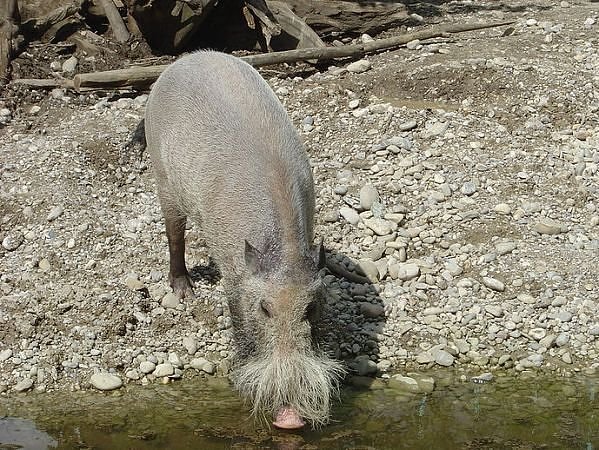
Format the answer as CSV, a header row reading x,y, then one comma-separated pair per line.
x,y
349,214
368,195
170,300
548,226
203,364
105,381
164,370
24,385
408,271
69,65
359,66
381,227
147,367
494,284
55,213
5,354
190,344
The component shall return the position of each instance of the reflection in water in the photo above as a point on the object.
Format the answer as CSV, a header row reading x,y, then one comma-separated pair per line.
x,y
510,413
22,433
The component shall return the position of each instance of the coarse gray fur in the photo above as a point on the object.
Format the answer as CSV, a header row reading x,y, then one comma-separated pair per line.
x,y
226,155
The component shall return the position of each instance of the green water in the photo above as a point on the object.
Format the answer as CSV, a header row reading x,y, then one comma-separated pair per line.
x,y
521,413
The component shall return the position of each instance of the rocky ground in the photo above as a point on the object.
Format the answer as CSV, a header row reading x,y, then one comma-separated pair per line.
x,y
460,174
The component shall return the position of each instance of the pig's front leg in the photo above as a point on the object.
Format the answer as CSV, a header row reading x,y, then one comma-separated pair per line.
x,y
178,275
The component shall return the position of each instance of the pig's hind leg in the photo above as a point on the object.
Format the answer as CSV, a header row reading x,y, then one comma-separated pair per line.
x,y
175,233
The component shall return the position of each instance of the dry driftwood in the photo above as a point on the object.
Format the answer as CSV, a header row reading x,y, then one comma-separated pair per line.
x,y
296,34
136,77
365,16
9,25
140,77
357,50
36,27
119,29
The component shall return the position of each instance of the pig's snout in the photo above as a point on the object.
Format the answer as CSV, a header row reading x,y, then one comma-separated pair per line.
x,y
288,418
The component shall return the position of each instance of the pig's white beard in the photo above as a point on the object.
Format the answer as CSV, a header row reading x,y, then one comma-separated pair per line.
x,y
307,383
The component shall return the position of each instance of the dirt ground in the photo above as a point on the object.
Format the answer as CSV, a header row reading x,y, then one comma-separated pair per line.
x,y
485,143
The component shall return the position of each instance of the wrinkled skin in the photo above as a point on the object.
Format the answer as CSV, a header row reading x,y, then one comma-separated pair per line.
x,y
226,156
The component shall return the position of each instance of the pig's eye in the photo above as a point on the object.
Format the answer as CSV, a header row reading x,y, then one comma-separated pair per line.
x,y
310,313
265,309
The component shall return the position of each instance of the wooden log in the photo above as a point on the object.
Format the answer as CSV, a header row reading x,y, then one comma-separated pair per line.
x,y
119,29
135,77
9,21
139,77
358,50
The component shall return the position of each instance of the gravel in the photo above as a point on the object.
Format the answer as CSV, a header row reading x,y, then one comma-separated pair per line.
x,y
464,181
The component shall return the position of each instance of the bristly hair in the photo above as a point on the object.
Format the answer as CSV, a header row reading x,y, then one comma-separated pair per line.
x,y
308,383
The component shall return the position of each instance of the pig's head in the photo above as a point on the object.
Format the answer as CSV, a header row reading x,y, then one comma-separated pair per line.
x,y
280,369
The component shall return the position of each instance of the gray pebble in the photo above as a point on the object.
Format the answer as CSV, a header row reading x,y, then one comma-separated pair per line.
x,y
443,358
24,385
494,310
562,339
494,284
565,316
55,213
548,226
359,66
69,65
164,370
132,374
204,365
190,344
371,310
381,227
331,216
408,126
537,333
349,214
370,269
5,354
147,367
368,195
365,366
12,240
170,300
402,383
408,271
504,248
468,188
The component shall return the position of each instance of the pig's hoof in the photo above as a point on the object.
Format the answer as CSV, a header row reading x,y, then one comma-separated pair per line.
x,y
288,419
183,287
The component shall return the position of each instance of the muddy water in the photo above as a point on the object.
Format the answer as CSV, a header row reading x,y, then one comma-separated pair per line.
x,y
508,413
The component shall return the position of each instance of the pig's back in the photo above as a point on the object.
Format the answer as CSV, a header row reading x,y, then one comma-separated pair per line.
x,y
227,155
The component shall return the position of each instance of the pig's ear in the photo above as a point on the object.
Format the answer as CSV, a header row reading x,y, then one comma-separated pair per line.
x,y
319,255
252,258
